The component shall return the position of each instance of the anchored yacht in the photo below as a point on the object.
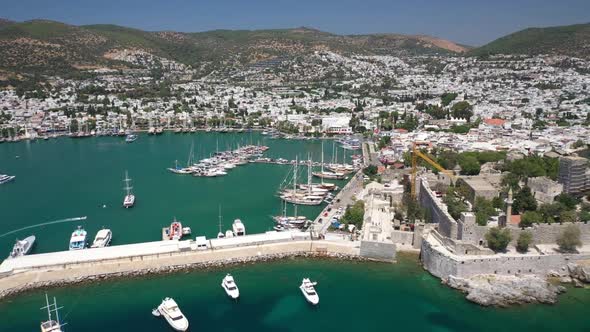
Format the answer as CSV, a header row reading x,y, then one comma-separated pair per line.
x,y
51,325
102,239
170,310
78,239
230,287
239,228
129,199
22,247
309,291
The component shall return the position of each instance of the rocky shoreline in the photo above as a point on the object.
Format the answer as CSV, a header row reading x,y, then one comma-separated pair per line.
x,y
212,265
507,290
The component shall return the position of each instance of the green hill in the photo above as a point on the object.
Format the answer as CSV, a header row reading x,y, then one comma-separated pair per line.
x,y
571,40
51,47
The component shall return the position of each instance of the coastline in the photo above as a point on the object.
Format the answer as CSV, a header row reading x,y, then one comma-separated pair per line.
x,y
18,283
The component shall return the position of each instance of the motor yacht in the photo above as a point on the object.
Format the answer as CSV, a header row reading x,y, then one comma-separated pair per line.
x,y
102,239
308,290
171,312
229,285
6,178
78,239
239,228
22,247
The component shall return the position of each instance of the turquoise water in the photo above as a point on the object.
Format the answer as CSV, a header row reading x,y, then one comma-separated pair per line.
x,y
353,297
66,178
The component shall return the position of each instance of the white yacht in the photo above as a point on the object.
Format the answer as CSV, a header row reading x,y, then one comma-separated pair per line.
x,y
51,325
6,178
309,291
102,239
229,233
170,310
22,247
230,287
239,228
78,239
129,199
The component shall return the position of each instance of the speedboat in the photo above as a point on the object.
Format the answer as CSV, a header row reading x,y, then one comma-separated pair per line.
x,y
78,239
6,178
308,290
51,325
230,287
130,138
22,247
175,230
170,310
239,228
102,239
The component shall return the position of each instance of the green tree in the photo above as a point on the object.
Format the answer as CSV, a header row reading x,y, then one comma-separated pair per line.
x,y
455,206
483,209
569,201
469,165
524,240
524,201
529,218
462,110
569,239
355,214
498,239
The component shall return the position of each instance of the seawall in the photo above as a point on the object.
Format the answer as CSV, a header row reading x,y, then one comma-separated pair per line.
x,y
76,272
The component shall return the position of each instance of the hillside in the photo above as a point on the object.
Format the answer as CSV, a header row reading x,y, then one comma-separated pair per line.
x,y
53,48
571,40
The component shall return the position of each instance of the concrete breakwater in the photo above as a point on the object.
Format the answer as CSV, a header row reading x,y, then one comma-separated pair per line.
x,y
73,273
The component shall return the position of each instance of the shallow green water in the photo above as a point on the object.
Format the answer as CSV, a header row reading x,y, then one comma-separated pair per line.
x,y
353,297
66,178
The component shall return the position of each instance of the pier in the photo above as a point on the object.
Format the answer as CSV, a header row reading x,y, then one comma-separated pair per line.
x,y
65,267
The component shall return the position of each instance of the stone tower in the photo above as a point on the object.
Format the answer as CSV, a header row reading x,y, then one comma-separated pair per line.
x,y
508,209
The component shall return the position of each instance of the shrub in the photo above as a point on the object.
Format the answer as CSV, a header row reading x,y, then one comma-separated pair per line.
x,y
569,239
498,239
524,240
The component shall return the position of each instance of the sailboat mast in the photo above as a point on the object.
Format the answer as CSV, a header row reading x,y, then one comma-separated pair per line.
x,y
219,218
295,175
309,173
48,307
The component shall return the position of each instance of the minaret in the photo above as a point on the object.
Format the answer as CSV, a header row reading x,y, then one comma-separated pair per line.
x,y
508,209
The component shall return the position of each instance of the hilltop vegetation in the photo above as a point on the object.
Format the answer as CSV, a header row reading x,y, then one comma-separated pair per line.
x,y
571,40
50,47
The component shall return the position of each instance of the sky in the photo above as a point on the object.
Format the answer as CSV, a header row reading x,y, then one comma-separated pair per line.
x,y
470,22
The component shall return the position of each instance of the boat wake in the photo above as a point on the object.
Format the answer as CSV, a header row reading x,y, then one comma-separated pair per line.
x,y
45,224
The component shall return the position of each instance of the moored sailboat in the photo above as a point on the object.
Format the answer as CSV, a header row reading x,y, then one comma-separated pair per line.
x,y
129,199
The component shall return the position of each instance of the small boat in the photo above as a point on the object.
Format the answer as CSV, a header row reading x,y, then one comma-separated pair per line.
x,y
159,131
231,289
131,138
170,310
22,247
102,239
151,131
129,199
6,178
51,325
239,228
175,230
308,290
78,239
229,233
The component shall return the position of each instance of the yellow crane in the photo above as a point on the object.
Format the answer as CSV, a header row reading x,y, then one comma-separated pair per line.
x,y
417,153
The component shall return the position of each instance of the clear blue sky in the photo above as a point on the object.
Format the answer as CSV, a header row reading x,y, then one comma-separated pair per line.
x,y
472,22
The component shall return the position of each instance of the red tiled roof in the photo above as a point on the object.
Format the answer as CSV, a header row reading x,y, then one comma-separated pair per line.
x,y
495,122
